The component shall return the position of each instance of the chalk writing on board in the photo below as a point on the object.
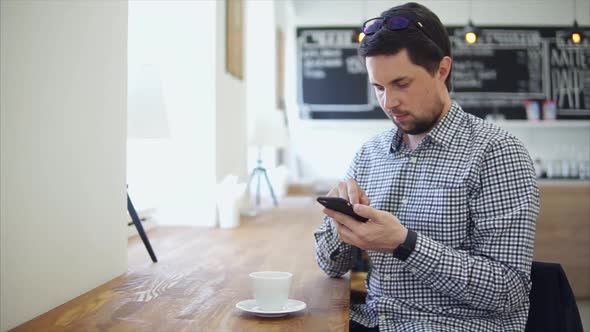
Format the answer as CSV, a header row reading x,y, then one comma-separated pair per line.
x,y
506,66
570,75
331,76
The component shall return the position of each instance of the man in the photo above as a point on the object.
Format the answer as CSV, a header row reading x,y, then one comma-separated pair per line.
x,y
451,200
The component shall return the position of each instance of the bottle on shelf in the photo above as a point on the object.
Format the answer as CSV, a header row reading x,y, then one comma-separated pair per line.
x,y
549,110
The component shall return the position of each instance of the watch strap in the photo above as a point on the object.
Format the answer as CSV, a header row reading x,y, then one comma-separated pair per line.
x,y
407,247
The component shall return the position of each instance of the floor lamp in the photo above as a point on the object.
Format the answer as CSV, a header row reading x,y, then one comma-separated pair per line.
x,y
270,132
146,120
258,172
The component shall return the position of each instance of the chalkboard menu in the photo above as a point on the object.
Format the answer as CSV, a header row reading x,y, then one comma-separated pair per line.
x,y
507,66
332,78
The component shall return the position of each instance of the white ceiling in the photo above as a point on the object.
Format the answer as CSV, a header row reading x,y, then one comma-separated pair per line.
x,y
451,12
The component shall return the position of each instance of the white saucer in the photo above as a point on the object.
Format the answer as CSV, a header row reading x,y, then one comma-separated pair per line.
x,y
251,307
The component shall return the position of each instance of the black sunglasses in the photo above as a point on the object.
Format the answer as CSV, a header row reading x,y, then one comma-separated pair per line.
x,y
394,22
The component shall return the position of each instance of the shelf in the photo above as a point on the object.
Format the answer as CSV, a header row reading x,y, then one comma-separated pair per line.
x,y
564,182
583,124
384,124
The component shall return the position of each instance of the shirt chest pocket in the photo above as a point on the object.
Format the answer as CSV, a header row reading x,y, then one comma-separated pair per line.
x,y
441,213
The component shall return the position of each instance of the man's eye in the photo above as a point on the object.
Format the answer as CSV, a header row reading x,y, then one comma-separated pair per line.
x,y
403,85
378,88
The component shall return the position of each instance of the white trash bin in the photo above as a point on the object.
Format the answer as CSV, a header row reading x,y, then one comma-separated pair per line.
x,y
229,195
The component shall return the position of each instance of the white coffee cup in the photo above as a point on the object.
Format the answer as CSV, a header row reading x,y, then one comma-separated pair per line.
x,y
271,289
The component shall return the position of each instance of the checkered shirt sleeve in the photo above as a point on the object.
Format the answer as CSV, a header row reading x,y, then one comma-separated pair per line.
x,y
334,256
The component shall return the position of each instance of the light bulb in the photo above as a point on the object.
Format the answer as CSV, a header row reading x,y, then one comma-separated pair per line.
x,y
470,37
576,37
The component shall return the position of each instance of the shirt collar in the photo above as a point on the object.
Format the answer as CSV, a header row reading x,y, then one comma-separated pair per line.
x,y
396,141
442,134
445,130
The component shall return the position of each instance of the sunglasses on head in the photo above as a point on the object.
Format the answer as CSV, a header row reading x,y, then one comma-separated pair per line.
x,y
394,22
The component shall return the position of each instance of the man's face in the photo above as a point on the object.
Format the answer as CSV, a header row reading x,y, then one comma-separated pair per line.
x,y
407,93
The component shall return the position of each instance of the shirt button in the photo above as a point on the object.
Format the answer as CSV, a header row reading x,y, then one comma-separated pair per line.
x,y
413,270
387,277
404,201
413,160
382,318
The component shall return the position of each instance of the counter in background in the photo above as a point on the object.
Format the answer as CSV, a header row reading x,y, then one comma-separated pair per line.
x,y
563,230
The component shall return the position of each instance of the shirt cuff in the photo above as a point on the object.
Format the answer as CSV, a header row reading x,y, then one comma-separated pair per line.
x,y
343,250
425,257
334,248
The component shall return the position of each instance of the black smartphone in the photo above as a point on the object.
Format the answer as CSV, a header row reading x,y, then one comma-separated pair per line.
x,y
341,205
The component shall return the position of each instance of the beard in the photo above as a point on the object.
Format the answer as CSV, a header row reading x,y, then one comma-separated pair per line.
x,y
424,125
417,127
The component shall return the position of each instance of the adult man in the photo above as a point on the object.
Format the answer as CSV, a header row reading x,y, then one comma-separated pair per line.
x,y
451,200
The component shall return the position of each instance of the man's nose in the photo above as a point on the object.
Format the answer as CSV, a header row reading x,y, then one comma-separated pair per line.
x,y
391,100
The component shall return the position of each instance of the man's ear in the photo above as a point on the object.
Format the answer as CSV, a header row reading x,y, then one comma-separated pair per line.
x,y
444,68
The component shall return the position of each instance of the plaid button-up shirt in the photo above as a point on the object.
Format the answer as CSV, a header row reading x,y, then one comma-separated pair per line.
x,y
469,191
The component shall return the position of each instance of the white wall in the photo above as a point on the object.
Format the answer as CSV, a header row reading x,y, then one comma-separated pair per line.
x,y
176,175
231,117
62,178
266,123
260,66
315,163
450,12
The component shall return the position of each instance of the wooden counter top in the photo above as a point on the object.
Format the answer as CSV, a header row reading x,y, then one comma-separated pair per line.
x,y
203,273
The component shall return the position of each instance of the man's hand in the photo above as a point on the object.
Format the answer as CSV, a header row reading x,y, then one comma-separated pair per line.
x,y
382,232
350,191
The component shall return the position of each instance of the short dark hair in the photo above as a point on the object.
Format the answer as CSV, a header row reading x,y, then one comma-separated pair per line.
x,y
425,48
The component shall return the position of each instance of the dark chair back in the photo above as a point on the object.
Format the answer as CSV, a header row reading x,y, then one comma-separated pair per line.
x,y
553,306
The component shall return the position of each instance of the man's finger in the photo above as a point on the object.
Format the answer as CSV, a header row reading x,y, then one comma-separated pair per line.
x,y
344,233
364,199
343,219
353,191
366,211
343,191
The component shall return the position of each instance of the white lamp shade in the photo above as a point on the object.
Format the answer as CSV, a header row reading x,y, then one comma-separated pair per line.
x,y
270,130
146,112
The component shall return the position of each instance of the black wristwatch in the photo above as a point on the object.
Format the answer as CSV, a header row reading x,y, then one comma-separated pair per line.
x,y
405,249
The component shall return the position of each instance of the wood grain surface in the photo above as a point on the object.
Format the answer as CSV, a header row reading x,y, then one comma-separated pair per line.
x,y
202,273
563,231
